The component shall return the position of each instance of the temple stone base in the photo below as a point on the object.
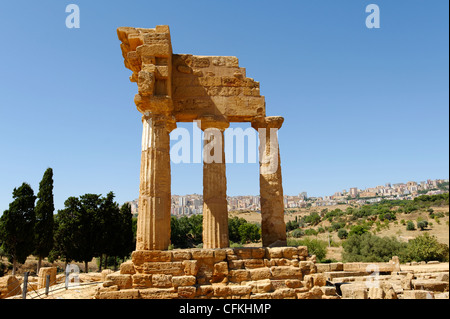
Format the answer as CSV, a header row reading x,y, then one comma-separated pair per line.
x,y
230,273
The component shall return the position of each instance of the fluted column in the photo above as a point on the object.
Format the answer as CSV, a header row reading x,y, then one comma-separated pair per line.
x,y
215,210
153,228
273,226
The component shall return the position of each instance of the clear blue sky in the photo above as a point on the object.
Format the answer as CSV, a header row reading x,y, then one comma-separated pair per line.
x,y
362,106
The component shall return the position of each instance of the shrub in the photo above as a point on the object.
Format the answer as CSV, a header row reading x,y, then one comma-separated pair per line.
x,y
310,232
291,225
297,233
342,233
371,248
410,226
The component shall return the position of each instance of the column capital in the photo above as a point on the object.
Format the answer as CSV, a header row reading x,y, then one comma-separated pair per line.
x,y
268,122
168,121
212,121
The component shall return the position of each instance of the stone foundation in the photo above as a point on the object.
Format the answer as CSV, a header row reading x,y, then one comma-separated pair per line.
x,y
231,273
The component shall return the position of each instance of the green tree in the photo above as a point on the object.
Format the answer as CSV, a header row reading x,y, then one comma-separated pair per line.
x,y
249,232
17,226
422,224
358,230
186,232
106,218
65,231
44,217
370,248
127,236
233,228
426,248
78,235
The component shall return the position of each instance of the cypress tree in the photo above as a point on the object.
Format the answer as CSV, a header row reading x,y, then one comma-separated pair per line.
x,y
44,217
17,226
127,240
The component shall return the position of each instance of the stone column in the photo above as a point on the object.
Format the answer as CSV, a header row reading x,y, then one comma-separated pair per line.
x,y
153,227
215,206
273,226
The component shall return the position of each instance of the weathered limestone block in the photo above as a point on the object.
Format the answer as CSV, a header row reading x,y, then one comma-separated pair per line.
x,y
260,273
175,268
376,293
236,264
238,290
220,269
105,272
293,283
316,280
290,252
161,281
443,277
261,286
302,251
307,267
286,272
328,290
183,281
127,268
219,255
241,253
221,290
390,293
181,255
203,254
43,272
284,293
444,295
253,263
275,252
120,294
158,293
9,286
314,293
190,267
353,291
407,281
140,257
205,291
418,294
142,280
186,292
122,281
430,285
239,275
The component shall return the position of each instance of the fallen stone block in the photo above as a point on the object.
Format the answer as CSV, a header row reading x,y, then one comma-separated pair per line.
x,y
430,285
417,294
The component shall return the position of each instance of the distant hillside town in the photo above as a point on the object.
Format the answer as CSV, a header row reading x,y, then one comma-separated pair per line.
x,y
187,205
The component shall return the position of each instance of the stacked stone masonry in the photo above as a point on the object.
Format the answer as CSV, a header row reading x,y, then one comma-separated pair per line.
x,y
232,273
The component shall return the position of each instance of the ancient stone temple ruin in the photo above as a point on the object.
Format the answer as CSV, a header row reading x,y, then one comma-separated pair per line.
x,y
213,91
